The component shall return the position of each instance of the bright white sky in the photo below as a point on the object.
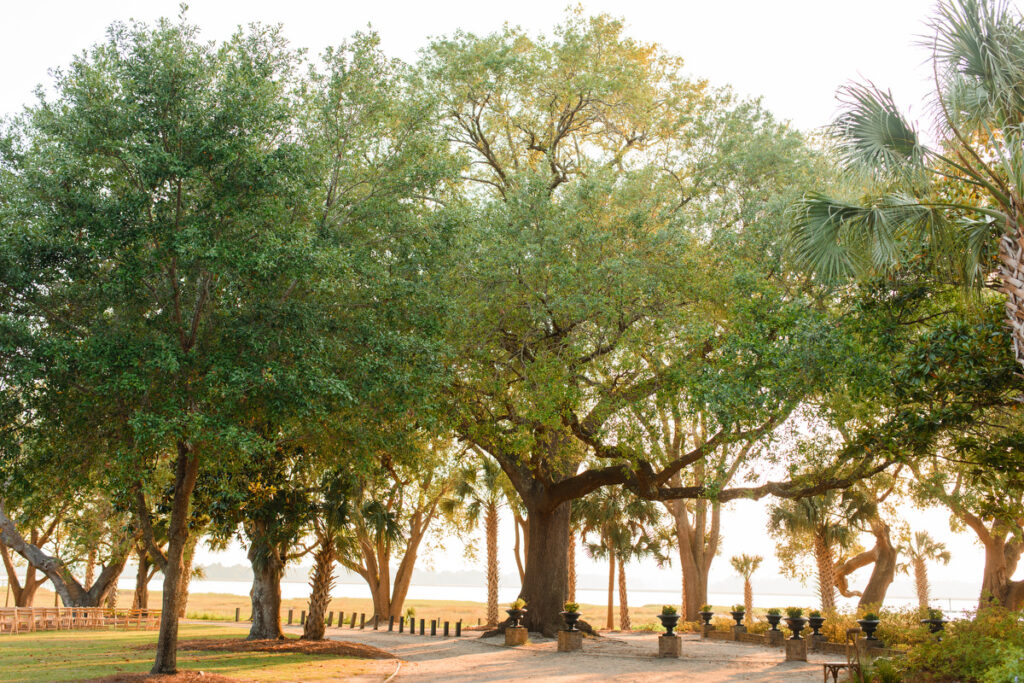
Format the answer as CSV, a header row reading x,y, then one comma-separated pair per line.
x,y
794,53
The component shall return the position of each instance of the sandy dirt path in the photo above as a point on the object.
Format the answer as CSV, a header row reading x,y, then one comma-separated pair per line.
x,y
616,657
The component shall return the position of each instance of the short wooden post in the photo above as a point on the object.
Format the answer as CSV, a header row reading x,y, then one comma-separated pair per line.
x,y
401,624
362,621
458,628
422,623
341,618
433,627
478,621
376,622
238,613
391,623
446,629
352,624
330,618
302,618
289,617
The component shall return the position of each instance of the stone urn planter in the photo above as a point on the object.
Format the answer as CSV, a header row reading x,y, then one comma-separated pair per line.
x,y
570,620
796,624
869,625
773,620
935,625
669,622
516,615
706,615
738,616
816,623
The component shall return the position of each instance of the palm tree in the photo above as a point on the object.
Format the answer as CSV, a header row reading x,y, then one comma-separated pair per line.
x,y
745,565
962,199
921,548
821,525
482,488
628,528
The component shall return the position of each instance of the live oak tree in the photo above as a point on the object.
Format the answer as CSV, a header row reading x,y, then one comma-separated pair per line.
x,y
169,258
394,511
615,251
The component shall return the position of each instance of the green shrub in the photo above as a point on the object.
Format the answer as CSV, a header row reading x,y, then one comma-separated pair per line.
x,y
987,648
651,627
794,612
669,610
814,613
774,611
572,607
1010,671
739,608
518,603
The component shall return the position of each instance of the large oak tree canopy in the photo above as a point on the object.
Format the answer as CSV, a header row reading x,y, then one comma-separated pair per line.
x,y
621,255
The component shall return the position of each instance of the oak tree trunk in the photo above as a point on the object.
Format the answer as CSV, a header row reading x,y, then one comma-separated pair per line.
x,y
883,571
546,578
141,597
1000,563
185,471
572,568
491,524
265,595
320,590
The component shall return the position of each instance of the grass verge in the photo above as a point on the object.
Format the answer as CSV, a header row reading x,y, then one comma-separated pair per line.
x,y
78,655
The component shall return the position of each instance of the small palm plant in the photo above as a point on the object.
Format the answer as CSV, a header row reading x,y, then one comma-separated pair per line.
x,y
745,565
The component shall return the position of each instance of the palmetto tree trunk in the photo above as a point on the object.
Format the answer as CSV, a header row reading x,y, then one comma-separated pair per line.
x,y
610,621
921,582
826,577
320,589
1011,273
491,524
624,623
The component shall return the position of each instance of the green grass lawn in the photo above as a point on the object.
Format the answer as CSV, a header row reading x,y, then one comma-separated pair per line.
x,y
77,655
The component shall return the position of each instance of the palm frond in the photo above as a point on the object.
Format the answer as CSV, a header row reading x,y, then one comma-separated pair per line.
x,y
871,134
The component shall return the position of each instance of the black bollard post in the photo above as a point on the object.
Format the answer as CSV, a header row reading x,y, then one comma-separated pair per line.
x,y
391,623
433,627
478,621
446,629
352,624
362,621
401,624
458,628
302,618
237,613
422,624
330,618
289,617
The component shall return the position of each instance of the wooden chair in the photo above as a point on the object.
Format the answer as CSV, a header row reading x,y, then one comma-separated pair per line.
x,y
852,663
8,620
